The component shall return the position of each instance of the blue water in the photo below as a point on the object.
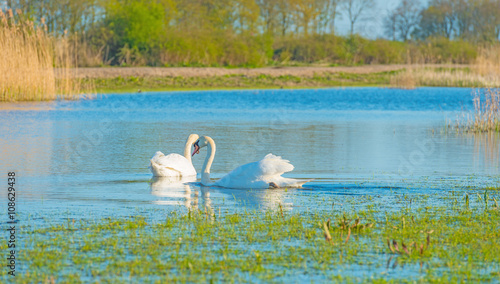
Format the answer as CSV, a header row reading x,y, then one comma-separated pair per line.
x,y
89,158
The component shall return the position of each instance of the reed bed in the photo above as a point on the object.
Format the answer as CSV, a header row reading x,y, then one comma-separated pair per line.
x,y
437,77
484,73
488,62
28,58
486,114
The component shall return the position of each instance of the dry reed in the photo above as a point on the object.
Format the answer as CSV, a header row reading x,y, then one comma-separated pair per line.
x,y
453,77
488,62
485,73
404,80
486,114
27,60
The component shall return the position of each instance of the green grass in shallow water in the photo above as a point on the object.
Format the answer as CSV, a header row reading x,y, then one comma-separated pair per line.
x,y
457,241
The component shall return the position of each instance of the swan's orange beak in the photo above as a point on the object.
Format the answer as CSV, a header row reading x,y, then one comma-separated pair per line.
x,y
196,149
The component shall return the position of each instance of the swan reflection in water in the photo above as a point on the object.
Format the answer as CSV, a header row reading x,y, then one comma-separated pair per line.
x,y
177,191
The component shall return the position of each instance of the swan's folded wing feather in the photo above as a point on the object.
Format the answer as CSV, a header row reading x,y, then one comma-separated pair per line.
x,y
241,177
270,165
174,162
158,155
274,165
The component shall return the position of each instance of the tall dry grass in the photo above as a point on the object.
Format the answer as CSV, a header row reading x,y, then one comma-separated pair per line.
x,y
484,73
488,62
28,61
444,77
486,114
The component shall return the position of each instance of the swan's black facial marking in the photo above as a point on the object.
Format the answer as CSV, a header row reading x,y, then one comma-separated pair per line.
x,y
196,148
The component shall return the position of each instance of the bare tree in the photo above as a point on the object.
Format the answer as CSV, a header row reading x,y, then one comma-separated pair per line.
x,y
463,16
486,20
284,17
356,9
403,20
437,20
306,12
390,23
268,12
330,13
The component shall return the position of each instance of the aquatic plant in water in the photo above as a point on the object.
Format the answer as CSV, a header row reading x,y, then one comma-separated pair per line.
x,y
485,116
454,240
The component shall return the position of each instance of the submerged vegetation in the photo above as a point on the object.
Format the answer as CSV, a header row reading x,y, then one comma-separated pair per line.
x,y
457,241
27,60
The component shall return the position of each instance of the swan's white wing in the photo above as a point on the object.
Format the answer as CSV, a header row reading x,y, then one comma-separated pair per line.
x,y
274,165
241,177
171,165
256,174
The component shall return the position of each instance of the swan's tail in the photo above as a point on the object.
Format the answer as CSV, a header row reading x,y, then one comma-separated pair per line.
x,y
300,183
290,182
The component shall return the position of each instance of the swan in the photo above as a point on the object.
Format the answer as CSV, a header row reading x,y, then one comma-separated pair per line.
x,y
265,173
174,165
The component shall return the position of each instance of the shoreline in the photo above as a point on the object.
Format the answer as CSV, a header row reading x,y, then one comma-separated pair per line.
x,y
128,90
276,71
137,79
148,82
108,80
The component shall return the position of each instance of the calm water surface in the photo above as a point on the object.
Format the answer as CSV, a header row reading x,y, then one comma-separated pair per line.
x,y
89,158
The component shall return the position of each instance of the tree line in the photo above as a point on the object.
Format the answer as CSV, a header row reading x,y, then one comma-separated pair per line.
x,y
263,32
476,21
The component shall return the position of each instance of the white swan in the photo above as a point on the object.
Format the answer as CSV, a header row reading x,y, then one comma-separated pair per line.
x,y
174,165
265,173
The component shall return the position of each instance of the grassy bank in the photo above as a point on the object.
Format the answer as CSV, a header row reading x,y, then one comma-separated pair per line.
x,y
168,83
402,78
452,237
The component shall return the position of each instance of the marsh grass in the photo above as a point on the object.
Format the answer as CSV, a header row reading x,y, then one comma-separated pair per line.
x,y
488,62
483,73
486,114
28,59
404,79
414,76
456,241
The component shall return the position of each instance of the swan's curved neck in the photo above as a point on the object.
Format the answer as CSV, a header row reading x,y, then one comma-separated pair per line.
x,y
187,149
210,156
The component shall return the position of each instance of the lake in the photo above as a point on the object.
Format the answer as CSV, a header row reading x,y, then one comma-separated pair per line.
x,y
89,158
